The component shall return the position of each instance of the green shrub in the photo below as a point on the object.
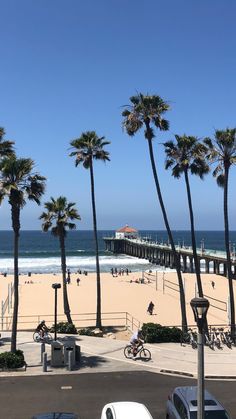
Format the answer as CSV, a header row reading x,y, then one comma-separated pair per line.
x,y
86,332
10,360
65,327
155,333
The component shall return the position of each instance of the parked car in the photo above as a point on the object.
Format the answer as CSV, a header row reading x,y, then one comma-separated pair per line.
x,y
182,404
125,410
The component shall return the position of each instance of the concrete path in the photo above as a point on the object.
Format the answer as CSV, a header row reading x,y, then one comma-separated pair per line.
x,y
106,355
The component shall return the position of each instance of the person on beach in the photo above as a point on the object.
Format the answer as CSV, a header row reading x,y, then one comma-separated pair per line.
x,y
136,341
78,281
68,276
150,308
213,284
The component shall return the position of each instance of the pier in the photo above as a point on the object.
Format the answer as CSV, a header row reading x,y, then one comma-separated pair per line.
x,y
161,254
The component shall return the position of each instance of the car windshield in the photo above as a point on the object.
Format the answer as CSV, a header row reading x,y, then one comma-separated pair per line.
x,y
213,414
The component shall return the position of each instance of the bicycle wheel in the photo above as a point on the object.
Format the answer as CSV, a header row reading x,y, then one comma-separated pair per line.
x,y
128,351
36,337
145,354
194,344
48,337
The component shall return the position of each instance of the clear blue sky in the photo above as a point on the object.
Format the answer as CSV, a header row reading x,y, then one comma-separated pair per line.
x,y
69,66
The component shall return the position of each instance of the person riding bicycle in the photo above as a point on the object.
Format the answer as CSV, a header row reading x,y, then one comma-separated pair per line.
x,y
136,341
42,328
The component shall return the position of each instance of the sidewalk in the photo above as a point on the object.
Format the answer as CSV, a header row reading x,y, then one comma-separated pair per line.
x,y
106,355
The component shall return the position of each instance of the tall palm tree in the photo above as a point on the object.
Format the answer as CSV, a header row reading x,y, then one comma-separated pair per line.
x,y
57,217
186,155
147,111
222,151
19,183
89,147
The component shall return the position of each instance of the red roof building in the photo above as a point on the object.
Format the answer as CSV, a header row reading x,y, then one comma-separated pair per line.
x,y
126,231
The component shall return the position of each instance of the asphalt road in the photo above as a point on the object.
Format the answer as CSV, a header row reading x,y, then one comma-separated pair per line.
x,y
86,394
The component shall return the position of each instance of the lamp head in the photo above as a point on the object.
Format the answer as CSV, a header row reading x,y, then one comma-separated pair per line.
x,y
56,286
200,307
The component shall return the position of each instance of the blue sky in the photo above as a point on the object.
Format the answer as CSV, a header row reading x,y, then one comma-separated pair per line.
x,y
69,66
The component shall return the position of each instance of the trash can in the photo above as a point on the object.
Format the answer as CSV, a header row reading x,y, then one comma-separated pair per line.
x,y
69,347
57,359
77,353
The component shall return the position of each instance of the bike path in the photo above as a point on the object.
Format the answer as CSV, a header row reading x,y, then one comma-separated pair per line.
x,y
107,355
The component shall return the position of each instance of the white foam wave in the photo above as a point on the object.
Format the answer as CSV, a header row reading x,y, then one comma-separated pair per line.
x,y
53,264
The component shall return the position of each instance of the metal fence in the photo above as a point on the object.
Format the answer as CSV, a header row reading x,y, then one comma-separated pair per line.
x,y
80,320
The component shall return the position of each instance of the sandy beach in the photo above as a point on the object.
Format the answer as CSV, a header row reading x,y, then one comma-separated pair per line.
x,y
120,294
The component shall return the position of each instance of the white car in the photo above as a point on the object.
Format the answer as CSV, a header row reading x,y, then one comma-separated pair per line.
x,y
125,410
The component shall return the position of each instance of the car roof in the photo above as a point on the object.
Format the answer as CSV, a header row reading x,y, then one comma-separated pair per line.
x,y
189,394
126,410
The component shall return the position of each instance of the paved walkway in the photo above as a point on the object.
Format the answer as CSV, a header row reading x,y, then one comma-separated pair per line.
x,y
106,355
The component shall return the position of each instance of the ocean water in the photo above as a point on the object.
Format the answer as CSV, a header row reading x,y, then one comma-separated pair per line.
x,y
39,252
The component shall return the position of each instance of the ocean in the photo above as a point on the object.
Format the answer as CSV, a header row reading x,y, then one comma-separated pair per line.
x,y
39,252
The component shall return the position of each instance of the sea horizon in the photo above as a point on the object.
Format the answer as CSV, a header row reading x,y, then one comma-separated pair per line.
x,y
39,252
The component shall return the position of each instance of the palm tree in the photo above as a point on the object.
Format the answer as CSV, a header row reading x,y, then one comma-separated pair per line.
x,y
222,151
87,148
6,146
19,183
57,217
184,156
147,111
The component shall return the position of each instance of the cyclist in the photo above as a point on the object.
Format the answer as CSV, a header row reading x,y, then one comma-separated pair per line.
x,y
42,328
136,341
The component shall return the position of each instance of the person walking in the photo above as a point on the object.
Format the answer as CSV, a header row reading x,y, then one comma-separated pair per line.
x,y
150,308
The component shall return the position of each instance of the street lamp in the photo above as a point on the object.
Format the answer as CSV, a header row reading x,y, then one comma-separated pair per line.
x,y
55,287
200,307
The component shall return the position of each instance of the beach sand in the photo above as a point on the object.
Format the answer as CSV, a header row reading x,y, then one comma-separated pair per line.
x,y
119,295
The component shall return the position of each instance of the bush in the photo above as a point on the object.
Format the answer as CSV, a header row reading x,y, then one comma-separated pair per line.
x,y
65,327
86,332
155,333
10,360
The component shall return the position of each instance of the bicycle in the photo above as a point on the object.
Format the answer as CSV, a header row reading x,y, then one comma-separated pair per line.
x,y
144,353
189,338
45,338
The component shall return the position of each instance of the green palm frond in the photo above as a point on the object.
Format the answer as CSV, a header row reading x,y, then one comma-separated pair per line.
x,y
222,152
88,147
186,153
145,110
19,182
58,215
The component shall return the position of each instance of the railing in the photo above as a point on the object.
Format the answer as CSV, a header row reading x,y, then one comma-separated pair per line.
x,y
118,318
215,301
7,304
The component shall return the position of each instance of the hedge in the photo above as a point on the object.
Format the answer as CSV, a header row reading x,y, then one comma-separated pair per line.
x,y
155,333
12,360
65,327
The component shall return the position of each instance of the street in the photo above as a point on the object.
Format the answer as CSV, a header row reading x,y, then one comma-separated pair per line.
x,y
86,394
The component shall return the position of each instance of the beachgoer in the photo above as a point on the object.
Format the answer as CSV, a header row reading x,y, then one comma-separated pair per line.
x,y
150,308
213,284
78,281
135,341
68,276
42,328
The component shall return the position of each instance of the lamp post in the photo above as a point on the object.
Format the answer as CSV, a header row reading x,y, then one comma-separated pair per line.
x,y
55,287
200,307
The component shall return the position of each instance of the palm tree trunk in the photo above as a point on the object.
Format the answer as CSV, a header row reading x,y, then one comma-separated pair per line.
x,y
15,214
98,317
194,247
63,269
228,256
176,256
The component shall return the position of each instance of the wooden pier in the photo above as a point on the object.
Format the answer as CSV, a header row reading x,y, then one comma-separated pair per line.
x,y
161,254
